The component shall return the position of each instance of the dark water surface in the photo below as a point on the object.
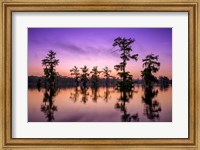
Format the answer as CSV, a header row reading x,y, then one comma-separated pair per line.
x,y
100,105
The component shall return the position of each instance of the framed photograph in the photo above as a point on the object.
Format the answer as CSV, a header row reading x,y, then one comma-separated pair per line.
x,y
100,74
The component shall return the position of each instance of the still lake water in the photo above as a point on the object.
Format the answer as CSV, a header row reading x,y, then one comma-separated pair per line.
x,y
100,105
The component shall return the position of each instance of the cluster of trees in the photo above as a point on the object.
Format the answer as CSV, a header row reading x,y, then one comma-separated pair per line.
x,y
124,85
82,75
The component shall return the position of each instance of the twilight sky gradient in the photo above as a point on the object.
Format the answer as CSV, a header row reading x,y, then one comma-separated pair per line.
x,y
93,47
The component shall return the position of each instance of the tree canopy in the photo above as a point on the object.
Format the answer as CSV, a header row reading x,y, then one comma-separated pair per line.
x,y
150,65
49,63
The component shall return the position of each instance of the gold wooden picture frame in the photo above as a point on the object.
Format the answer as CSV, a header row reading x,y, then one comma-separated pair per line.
x,y
10,6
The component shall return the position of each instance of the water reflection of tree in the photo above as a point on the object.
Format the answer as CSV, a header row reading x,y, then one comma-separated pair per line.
x,y
164,88
125,96
107,94
85,94
75,95
152,107
48,107
39,85
95,94
77,92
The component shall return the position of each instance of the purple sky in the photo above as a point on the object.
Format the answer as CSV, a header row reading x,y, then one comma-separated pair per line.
x,y
93,47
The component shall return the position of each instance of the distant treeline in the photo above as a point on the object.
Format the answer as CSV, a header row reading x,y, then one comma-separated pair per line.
x,y
63,81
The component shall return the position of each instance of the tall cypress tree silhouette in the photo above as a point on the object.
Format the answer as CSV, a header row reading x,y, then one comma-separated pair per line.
x,y
84,76
151,65
95,76
125,48
106,72
75,72
49,63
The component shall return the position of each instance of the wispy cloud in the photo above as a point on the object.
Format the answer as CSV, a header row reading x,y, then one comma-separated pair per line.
x,y
70,47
